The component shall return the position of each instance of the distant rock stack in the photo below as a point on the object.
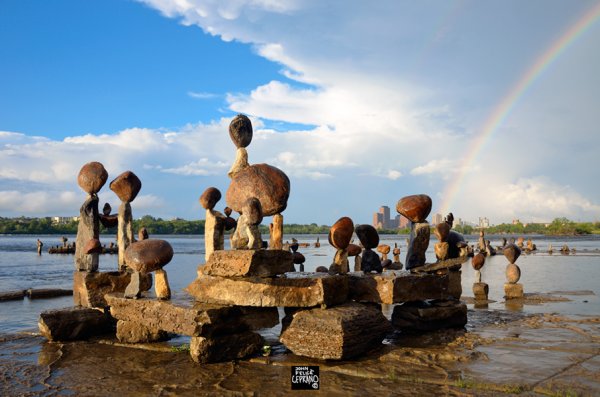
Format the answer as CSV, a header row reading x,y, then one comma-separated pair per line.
x,y
369,238
215,224
512,289
396,264
416,208
126,186
480,289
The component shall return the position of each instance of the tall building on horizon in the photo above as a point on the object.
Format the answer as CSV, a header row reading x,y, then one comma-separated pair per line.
x,y
436,218
382,220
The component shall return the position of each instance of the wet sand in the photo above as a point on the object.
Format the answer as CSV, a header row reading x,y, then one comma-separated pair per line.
x,y
499,353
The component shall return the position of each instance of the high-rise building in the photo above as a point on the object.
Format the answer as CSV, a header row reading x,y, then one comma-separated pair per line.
x,y
436,218
381,219
484,222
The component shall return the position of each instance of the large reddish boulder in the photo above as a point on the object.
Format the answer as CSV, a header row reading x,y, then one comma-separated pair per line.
x,y
126,186
148,255
416,207
92,177
268,184
210,198
341,233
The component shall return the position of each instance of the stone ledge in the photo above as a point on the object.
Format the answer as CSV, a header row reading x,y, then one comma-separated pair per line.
x,y
290,290
89,288
248,263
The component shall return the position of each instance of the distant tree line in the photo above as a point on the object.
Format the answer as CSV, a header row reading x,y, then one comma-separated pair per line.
x,y
23,225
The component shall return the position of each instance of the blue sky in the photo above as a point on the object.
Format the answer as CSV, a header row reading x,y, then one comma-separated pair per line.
x,y
359,103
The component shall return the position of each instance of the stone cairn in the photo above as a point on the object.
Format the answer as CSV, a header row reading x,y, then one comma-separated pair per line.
x,y
480,289
396,264
126,186
238,291
512,288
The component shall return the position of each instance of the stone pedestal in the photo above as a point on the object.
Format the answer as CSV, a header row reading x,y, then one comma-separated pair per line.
x,y
340,261
337,333
417,245
276,229
480,291
87,229
214,229
429,316
89,288
249,263
124,232
161,285
513,291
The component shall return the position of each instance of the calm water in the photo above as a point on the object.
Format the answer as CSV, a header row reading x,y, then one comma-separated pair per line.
x,y
21,268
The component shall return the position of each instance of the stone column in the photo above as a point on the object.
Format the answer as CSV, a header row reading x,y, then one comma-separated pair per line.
x,y
87,229
214,231
124,232
276,229
417,245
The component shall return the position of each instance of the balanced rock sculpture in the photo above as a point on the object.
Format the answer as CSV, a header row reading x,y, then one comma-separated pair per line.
x,y
214,227
396,264
339,237
126,186
91,178
369,238
512,289
247,235
268,184
148,256
441,248
480,289
416,208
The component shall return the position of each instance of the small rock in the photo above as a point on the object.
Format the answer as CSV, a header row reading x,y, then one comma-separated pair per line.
x,y
478,261
92,177
416,207
252,210
386,264
240,131
341,233
384,249
367,235
148,255
227,211
454,241
512,253
299,258
513,273
106,209
321,269
371,262
210,198
353,249
126,186
142,234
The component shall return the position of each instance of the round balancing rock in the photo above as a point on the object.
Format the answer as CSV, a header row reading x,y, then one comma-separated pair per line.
x,y
106,209
148,255
268,184
512,253
367,235
341,233
478,261
240,131
321,269
92,177
384,250
126,186
210,198
353,249
513,273
441,231
416,207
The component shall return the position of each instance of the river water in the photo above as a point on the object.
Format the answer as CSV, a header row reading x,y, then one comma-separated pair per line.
x,y
574,277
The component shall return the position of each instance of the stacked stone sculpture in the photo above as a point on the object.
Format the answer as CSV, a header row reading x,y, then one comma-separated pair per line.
x,y
126,186
339,237
299,259
91,178
396,264
369,238
441,248
144,257
416,208
481,241
215,224
265,183
480,289
512,288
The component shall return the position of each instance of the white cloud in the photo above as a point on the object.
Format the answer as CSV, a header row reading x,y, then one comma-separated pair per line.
x,y
40,203
201,95
200,167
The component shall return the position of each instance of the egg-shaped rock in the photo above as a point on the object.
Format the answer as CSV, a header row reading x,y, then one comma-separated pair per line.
x,y
240,131
353,249
416,207
126,186
367,235
513,273
298,258
148,255
92,177
210,197
268,184
341,232
478,261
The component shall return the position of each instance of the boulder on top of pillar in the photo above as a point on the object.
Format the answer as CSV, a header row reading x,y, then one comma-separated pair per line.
x,y
126,186
512,253
92,177
367,235
415,208
341,232
478,261
148,255
210,198
240,131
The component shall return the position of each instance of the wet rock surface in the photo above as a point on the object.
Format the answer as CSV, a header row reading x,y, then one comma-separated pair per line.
x,y
559,354
75,323
429,316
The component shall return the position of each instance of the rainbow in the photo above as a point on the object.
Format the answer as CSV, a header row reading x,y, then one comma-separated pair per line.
x,y
508,103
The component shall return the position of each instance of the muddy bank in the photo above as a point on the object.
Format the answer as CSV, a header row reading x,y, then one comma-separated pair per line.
x,y
499,353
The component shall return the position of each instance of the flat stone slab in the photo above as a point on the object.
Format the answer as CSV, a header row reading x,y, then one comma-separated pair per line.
x,y
392,287
181,318
291,290
89,288
249,263
74,323
453,263
225,347
429,316
336,333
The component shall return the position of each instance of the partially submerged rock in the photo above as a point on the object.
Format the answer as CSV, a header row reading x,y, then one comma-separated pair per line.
x,y
429,316
75,323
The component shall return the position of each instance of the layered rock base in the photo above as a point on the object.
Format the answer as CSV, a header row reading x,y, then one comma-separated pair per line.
x,y
513,291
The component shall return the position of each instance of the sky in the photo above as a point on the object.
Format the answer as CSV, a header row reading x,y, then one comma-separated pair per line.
x,y
489,107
